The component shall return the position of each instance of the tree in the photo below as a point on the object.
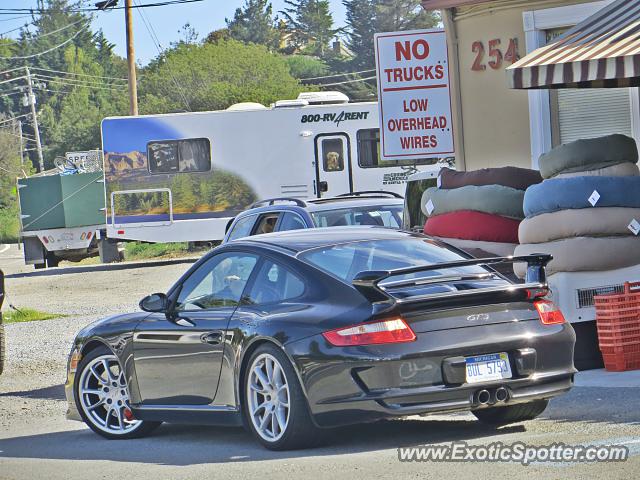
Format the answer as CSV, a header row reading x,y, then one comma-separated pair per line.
x,y
395,15
361,26
254,23
311,25
304,66
213,76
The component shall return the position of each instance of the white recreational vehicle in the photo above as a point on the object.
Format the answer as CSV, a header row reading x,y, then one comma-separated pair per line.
x,y
183,176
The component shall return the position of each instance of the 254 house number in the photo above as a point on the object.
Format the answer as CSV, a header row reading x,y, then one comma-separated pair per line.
x,y
494,54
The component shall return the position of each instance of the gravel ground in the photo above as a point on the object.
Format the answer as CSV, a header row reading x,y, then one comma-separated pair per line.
x,y
36,441
37,351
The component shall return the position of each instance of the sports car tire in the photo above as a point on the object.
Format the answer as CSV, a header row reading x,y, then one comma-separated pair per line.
x,y
275,407
102,398
512,413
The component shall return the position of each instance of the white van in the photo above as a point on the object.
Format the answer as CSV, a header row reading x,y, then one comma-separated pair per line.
x,y
183,176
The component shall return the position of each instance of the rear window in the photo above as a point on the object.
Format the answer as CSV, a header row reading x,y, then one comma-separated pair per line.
x,y
347,260
381,216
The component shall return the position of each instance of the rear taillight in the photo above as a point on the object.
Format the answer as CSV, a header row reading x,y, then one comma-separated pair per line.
x,y
387,331
549,313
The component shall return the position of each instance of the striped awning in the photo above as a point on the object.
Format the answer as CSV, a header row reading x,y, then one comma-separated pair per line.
x,y
602,51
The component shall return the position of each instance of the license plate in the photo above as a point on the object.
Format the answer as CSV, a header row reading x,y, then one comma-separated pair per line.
x,y
485,368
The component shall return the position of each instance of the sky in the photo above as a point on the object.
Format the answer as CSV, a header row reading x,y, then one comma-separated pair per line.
x,y
204,16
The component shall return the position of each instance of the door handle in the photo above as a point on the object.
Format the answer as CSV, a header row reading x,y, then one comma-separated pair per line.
x,y
212,338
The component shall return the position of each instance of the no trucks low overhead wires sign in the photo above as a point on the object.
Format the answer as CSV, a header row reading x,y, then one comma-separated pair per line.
x,y
413,94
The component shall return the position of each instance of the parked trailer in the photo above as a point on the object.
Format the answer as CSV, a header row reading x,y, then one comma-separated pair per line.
x,y
62,217
183,176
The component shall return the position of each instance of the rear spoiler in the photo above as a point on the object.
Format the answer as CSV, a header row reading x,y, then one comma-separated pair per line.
x,y
367,282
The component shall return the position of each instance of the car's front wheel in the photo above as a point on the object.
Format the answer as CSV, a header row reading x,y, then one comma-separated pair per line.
x,y
276,410
511,413
102,397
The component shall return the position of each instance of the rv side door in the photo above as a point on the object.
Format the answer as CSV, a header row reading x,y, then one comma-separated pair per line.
x,y
333,165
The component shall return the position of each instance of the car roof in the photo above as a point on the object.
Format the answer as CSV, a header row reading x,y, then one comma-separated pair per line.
x,y
296,241
325,204
336,203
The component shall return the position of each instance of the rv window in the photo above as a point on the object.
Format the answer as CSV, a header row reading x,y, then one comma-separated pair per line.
x,y
369,152
163,157
332,155
191,155
195,155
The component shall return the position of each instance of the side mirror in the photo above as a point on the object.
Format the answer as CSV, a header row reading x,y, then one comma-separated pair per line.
x,y
155,303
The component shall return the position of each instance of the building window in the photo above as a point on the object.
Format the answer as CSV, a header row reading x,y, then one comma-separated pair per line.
x,y
589,113
369,152
578,113
179,156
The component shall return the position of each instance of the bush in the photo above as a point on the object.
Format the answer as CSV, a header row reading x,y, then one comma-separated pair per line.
x,y
9,225
138,250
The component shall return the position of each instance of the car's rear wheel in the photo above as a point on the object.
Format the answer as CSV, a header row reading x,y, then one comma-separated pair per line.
x,y
276,410
511,413
102,397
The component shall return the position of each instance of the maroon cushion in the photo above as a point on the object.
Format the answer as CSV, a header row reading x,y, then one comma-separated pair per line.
x,y
470,225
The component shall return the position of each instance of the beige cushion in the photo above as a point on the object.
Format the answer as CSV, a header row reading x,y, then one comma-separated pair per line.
x,y
619,170
584,254
582,222
480,249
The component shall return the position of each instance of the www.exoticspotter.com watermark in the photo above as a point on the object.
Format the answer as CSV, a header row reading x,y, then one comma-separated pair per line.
x,y
516,452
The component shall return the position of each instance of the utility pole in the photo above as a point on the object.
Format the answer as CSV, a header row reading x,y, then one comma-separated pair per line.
x,y
34,115
131,59
21,142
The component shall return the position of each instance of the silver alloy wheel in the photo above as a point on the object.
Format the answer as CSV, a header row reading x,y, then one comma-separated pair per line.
x,y
268,397
104,396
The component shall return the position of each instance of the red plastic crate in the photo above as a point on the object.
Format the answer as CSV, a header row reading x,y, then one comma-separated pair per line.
x,y
616,362
621,348
618,322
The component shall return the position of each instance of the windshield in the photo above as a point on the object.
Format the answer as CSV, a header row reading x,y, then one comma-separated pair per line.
x,y
382,216
347,260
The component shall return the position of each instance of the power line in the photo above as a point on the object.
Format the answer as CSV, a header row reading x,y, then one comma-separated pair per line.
x,y
337,75
11,11
154,38
15,18
76,74
86,85
345,82
68,40
76,81
40,35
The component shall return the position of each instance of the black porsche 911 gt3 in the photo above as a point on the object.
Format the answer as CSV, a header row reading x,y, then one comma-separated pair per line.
x,y
293,332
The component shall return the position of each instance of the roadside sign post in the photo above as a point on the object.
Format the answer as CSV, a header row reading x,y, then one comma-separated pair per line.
x,y
413,94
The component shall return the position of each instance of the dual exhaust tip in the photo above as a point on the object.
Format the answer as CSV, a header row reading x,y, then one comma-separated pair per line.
x,y
489,397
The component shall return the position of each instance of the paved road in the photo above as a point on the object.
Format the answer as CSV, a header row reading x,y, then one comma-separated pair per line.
x,y
37,442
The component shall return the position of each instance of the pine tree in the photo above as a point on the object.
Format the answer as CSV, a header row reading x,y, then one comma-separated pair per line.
x,y
254,23
311,25
361,25
395,15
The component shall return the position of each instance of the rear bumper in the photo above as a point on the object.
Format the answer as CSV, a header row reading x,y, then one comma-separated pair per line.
x,y
356,384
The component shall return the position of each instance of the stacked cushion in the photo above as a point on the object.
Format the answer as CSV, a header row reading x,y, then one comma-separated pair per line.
x,y
478,211
470,225
619,170
560,219
590,154
491,199
568,193
594,222
514,177
585,254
